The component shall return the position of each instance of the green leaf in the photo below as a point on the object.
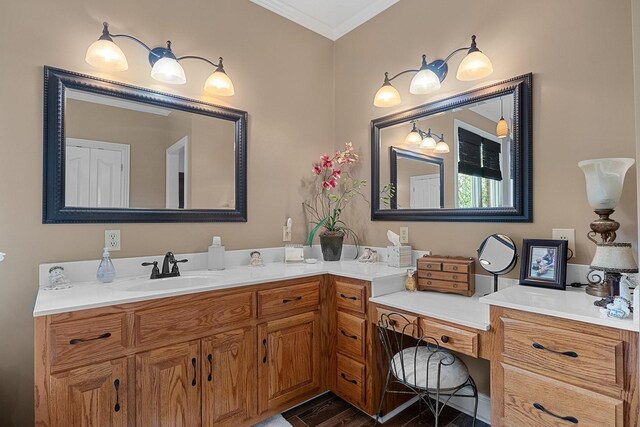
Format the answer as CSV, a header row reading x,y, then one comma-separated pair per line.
x,y
313,232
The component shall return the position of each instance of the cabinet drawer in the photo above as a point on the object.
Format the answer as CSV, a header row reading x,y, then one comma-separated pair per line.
x,y
531,399
288,298
564,352
199,317
351,333
350,380
351,296
442,285
450,337
401,322
97,339
429,265
456,268
443,275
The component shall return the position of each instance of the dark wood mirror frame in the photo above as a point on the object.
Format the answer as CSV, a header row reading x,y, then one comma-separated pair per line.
x,y
396,153
56,81
522,211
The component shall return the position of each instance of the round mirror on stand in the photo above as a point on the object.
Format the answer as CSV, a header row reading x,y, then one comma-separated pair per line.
x,y
497,255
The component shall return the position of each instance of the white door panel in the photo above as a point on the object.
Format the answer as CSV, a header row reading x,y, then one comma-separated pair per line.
x,y
77,165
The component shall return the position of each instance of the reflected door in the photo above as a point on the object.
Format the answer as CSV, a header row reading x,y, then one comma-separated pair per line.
x,y
425,192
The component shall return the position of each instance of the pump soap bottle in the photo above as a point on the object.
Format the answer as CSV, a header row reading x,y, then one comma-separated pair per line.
x,y
106,270
215,259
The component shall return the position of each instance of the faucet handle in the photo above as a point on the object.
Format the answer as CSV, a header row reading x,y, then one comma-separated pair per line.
x,y
175,262
154,271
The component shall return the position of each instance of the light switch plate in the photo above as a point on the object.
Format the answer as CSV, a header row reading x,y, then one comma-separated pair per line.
x,y
404,234
568,234
112,240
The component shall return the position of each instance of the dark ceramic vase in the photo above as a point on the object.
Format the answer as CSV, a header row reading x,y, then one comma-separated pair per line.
x,y
331,245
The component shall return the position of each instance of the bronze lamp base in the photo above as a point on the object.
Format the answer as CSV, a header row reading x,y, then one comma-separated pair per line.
x,y
604,226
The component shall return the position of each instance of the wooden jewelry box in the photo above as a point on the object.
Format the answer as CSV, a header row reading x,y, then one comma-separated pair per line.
x,y
449,274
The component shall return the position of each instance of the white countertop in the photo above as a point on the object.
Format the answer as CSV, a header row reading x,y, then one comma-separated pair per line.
x,y
572,304
85,295
466,311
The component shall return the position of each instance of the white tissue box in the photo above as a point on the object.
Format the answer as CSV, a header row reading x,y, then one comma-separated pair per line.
x,y
399,256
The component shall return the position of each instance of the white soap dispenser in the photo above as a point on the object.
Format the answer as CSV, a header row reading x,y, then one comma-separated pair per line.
x,y
215,259
106,270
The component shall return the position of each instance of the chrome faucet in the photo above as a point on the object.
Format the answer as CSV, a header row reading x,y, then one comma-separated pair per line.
x,y
169,258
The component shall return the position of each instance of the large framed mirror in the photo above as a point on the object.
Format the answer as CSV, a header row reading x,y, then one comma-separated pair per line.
x,y
463,158
119,153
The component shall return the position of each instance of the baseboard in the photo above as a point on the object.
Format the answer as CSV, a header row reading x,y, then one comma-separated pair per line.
x,y
465,405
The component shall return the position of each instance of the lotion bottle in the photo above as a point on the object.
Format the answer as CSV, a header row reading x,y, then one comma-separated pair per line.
x,y
215,258
106,270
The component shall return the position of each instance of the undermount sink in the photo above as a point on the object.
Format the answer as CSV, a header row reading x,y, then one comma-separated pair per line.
x,y
169,283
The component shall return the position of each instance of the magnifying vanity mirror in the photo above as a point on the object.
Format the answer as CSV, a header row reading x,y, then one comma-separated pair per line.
x,y
118,153
464,158
497,255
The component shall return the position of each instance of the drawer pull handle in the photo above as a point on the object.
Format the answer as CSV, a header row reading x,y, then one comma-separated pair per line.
x,y
539,407
392,322
288,300
116,385
455,276
348,297
455,268
564,353
210,359
81,340
344,377
353,337
455,285
264,344
193,363
444,339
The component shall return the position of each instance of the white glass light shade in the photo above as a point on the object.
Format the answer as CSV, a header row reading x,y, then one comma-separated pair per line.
x,y
605,178
502,129
442,147
474,66
424,82
428,143
219,84
106,55
413,138
387,96
168,70
615,258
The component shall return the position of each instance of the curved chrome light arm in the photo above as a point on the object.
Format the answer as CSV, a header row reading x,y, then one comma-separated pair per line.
x,y
219,66
106,35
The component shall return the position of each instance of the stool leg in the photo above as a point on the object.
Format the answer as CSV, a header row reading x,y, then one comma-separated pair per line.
x,y
384,393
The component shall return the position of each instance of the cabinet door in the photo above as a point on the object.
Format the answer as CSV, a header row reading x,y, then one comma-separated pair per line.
x,y
93,395
168,386
288,359
228,378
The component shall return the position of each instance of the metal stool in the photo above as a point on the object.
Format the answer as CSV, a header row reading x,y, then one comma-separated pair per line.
x,y
429,372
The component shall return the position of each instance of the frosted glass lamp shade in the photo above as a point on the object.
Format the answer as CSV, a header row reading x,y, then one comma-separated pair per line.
x,y
106,55
168,70
614,258
476,65
424,82
413,138
219,84
442,147
387,96
605,178
428,143
502,129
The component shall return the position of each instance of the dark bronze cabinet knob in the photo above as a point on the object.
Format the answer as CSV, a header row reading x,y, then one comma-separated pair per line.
x,y
444,339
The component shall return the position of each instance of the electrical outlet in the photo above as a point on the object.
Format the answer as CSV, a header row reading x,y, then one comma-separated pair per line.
x,y
112,240
568,234
404,234
286,233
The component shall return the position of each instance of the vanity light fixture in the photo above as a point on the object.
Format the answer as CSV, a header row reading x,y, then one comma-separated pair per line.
x,y
502,128
165,66
427,140
414,137
428,78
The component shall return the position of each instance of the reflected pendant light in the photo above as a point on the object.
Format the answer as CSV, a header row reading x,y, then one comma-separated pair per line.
x,y
502,128
414,137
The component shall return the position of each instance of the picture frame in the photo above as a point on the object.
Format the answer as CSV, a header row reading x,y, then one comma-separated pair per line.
x,y
544,263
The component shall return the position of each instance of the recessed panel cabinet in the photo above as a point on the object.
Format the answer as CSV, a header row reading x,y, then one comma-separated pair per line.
x,y
288,359
94,395
168,386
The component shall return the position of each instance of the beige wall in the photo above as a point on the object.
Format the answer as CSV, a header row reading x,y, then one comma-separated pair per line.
x,y
283,75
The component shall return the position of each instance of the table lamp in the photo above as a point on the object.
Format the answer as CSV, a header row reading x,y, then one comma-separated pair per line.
x,y
613,259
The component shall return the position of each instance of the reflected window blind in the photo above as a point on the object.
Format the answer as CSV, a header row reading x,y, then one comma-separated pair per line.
x,y
478,156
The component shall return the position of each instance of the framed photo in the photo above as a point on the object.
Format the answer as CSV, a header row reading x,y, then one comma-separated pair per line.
x,y
544,263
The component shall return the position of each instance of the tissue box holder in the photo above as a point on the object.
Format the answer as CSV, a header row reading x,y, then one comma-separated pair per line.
x,y
399,256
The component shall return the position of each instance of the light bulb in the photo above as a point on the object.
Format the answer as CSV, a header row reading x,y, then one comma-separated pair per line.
x,y
502,129
424,82
387,96
413,138
168,70
442,147
218,83
106,55
428,143
474,66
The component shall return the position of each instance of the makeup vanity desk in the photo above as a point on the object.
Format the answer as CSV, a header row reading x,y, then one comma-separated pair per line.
x,y
554,360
